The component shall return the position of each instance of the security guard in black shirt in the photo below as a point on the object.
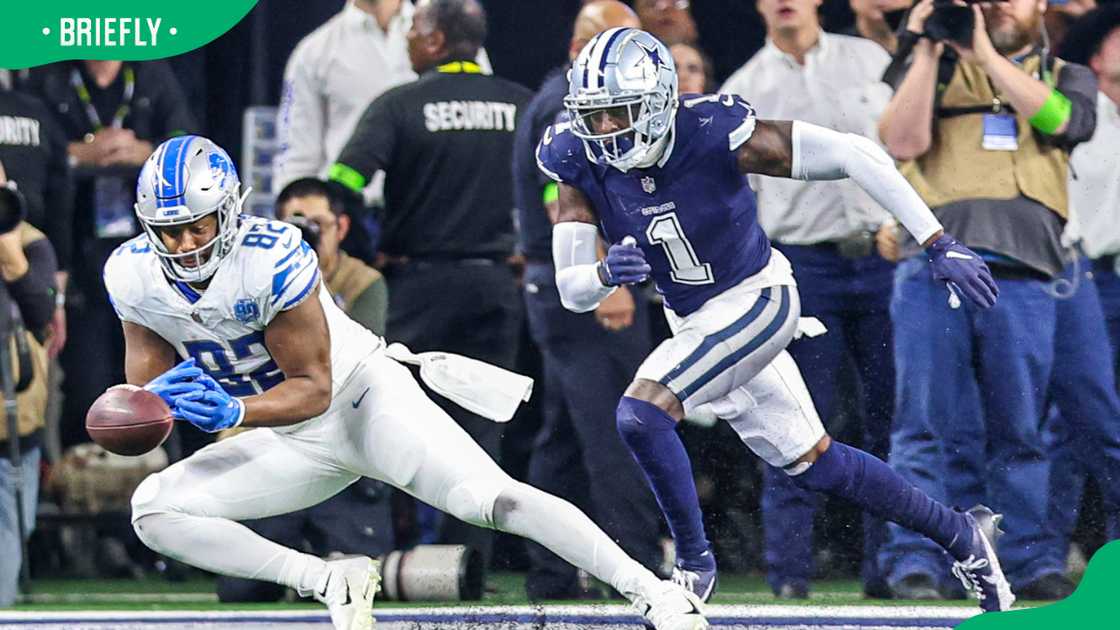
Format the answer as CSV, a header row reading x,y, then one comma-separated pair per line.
x,y
445,142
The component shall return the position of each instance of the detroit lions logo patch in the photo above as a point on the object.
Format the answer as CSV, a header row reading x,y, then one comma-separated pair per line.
x,y
246,311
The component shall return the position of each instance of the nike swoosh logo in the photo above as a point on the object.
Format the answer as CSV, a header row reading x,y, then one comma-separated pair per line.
x,y
958,255
323,594
360,398
347,602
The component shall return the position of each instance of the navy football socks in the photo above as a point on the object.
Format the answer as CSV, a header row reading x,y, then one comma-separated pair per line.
x,y
870,483
652,437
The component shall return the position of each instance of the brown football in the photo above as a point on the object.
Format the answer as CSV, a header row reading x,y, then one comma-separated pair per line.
x,y
128,420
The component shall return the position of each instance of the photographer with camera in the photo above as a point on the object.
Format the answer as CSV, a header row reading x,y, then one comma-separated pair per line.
x,y
983,122
27,270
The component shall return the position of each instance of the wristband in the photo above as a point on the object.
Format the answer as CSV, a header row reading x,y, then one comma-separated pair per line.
x,y
550,193
1053,114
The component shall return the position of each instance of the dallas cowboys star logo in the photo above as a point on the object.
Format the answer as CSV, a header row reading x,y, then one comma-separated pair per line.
x,y
654,54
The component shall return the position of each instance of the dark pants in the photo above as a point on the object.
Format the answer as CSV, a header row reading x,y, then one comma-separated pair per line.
x,y
946,360
93,358
1086,431
578,454
354,521
851,297
468,307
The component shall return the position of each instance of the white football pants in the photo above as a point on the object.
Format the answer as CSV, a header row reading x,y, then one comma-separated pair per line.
x,y
380,425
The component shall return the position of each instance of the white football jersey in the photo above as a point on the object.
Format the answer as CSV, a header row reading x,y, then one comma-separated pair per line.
x,y
271,269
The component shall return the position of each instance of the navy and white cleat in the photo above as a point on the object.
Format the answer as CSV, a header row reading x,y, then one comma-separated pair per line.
x,y
980,572
701,583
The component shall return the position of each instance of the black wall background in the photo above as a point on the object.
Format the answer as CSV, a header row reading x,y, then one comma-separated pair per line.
x,y
527,38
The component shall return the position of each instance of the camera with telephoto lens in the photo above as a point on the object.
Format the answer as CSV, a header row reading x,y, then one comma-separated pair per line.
x,y
13,207
952,22
308,228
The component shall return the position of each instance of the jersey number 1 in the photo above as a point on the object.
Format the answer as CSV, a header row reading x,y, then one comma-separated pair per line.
x,y
666,231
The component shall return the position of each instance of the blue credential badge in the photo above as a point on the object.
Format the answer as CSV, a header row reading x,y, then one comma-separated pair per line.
x,y
1001,132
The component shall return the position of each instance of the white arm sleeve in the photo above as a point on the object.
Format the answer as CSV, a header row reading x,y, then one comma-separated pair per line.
x,y
820,153
577,262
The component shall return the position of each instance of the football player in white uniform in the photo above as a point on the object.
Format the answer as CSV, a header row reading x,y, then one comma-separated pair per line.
x,y
241,297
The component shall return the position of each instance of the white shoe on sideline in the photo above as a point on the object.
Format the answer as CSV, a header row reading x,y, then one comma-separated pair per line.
x,y
347,590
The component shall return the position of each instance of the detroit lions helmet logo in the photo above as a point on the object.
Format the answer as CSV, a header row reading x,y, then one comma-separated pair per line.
x,y
220,168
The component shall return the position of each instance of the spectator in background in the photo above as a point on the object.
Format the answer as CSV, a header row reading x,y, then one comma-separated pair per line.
x,y
1060,17
996,177
588,357
27,273
445,143
694,69
877,20
332,76
356,287
112,113
668,20
33,147
826,230
358,519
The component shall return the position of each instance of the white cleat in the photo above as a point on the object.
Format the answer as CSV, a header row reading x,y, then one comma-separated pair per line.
x,y
348,591
671,607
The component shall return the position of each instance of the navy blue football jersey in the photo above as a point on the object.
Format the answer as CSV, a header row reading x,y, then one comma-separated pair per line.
x,y
693,213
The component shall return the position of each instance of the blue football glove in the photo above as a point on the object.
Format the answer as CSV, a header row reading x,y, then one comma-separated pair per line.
x,y
210,410
625,264
963,270
177,381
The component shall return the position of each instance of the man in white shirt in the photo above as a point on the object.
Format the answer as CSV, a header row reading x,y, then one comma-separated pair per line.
x,y
825,230
332,76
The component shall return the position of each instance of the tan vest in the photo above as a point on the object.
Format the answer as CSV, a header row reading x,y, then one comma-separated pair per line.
x,y
32,402
350,279
957,167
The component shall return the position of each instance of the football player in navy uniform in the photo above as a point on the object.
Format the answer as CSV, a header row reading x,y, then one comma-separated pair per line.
x,y
664,178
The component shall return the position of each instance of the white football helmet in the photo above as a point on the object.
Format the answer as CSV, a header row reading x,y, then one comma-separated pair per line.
x,y
630,75
185,179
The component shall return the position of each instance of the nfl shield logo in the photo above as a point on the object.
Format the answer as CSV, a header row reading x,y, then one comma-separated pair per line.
x,y
649,185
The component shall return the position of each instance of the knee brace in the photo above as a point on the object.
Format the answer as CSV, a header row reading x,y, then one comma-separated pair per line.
x,y
473,500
